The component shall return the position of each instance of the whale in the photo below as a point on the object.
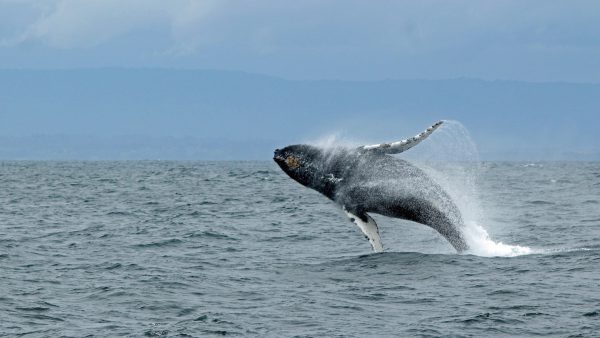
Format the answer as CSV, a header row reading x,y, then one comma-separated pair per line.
x,y
369,179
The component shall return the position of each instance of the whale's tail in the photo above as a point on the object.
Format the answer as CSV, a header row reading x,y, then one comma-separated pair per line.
x,y
402,145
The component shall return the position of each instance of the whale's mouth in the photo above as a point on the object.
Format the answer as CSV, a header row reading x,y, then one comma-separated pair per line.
x,y
280,160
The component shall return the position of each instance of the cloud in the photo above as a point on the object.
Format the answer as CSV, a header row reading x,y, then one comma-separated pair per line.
x,y
406,25
82,24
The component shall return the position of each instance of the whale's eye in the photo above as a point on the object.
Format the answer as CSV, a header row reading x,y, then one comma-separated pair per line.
x,y
292,162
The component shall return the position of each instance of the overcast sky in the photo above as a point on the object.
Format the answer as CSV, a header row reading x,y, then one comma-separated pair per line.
x,y
345,39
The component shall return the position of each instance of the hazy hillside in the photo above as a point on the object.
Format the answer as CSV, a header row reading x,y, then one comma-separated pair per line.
x,y
193,114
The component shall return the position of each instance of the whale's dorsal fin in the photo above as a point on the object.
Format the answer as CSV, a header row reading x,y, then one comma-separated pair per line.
x,y
403,145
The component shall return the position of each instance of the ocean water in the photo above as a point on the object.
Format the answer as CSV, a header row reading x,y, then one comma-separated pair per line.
x,y
200,249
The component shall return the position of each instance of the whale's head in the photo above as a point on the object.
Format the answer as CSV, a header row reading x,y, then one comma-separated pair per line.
x,y
299,162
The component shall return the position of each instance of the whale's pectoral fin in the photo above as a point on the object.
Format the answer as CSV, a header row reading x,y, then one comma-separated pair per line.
x,y
368,227
402,145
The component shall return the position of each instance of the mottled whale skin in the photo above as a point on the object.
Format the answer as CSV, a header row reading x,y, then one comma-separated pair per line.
x,y
368,180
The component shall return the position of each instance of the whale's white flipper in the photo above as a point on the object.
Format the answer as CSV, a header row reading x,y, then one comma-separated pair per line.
x,y
403,145
368,228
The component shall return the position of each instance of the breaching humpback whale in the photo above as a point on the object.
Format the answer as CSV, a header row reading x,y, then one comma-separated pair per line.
x,y
366,179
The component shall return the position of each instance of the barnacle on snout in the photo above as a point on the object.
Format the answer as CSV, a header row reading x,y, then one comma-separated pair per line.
x,y
292,162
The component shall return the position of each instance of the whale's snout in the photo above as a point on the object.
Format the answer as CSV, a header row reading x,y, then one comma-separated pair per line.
x,y
278,156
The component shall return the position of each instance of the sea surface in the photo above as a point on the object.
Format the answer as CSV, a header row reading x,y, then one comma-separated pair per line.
x,y
201,249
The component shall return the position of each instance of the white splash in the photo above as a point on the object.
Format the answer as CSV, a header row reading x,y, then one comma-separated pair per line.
x,y
480,244
458,175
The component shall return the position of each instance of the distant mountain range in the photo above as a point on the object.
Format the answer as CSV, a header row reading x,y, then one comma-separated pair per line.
x,y
203,114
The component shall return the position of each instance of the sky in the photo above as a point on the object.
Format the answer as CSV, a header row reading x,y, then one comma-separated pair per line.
x,y
247,76
540,41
